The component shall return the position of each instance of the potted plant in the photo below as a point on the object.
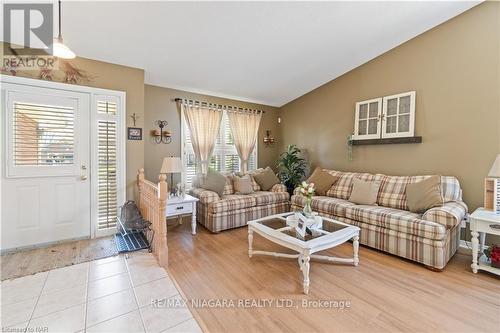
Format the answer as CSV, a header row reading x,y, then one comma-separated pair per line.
x,y
291,167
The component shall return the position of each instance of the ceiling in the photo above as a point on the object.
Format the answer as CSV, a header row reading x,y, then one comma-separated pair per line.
x,y
263,52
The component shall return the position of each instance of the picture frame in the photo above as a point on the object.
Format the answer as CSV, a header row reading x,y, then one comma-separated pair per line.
x,y
134,133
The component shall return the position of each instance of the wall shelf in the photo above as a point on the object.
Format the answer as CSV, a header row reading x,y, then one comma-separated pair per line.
x,y
413,139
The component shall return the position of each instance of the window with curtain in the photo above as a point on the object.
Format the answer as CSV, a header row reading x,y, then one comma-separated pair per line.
x,y
224,158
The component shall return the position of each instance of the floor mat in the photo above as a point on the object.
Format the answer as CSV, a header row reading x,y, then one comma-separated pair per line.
x,y
27,262
131,242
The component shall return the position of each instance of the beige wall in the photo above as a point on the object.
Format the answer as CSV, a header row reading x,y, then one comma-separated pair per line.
x,y
115,77
159,104
455,71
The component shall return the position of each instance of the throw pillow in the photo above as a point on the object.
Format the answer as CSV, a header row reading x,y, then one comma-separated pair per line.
x,y
213,181
228,188
364,193
242,185
255,185
322,181
424,195
266,179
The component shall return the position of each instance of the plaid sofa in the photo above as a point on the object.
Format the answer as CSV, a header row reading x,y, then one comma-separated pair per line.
x,y
234,210
431,238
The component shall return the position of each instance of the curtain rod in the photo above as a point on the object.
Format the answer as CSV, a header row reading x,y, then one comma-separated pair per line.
x,y
218,106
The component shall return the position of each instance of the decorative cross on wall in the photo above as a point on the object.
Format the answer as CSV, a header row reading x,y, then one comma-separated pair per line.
x,y
134,117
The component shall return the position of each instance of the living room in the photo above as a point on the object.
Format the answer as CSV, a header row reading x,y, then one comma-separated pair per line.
x,y
251,166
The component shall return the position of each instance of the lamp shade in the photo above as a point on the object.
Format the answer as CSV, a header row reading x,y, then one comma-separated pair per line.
x,y
495,168
171,165
62,51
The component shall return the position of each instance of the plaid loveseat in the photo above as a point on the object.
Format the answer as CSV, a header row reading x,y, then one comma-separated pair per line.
x,y
431,238
235,210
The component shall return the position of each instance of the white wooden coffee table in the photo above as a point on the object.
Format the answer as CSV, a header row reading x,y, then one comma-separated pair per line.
x,y
333,233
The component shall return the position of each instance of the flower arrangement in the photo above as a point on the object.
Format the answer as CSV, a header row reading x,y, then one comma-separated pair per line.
x,y
307,191
493,253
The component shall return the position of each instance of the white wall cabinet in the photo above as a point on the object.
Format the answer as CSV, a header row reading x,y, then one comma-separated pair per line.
x,y
398,115
386,117
367,120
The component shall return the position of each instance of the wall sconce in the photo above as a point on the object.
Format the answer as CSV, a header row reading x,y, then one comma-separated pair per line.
x,y
159,135
268,139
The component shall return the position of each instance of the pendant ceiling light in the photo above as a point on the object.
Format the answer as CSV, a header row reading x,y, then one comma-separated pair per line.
x,y
58,48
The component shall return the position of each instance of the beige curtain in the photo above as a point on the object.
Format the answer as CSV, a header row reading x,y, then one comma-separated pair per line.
x,y
204,123
244,127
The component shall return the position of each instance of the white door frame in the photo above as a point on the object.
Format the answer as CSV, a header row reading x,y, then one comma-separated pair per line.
x,y
92,92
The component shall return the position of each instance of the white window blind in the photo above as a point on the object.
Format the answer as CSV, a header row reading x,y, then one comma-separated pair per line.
x,y
224,158
105,107
107,167
43,135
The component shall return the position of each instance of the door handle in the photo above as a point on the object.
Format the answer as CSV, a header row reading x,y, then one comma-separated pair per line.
x,y
83,177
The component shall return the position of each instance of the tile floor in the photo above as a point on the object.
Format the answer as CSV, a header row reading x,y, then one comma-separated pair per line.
x,y
107,295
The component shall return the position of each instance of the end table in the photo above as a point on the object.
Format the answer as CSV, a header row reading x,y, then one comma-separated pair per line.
x,y
483,222
178,206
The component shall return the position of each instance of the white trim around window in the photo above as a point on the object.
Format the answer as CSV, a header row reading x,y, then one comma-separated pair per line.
x,y
226,160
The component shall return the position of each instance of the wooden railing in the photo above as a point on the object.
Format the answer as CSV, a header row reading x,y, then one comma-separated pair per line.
x,y
153,203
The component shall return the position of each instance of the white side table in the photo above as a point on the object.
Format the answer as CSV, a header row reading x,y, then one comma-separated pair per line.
x,y
177,206
483,222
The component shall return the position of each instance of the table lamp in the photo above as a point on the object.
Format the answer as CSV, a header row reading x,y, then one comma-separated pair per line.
x,y
171,165
492,187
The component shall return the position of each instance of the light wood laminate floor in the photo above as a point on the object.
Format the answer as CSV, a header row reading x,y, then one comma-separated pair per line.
x,y
386,293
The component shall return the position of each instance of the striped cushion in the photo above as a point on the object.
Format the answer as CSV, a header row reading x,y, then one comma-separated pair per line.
x,y
449,215
255,185
278,188
236,218
326,205
397,220
431,252
392,191
450,188
228,188
343,187
205,196
266,198
231,202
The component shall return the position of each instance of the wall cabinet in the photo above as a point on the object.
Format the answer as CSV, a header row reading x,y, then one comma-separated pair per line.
x,y
386,117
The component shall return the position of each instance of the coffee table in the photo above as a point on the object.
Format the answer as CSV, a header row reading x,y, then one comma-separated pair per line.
x,y
333,233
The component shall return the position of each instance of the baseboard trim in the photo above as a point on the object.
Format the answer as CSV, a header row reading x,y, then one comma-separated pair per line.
x,y
465,247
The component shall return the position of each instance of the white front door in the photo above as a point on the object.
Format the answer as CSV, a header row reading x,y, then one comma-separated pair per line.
x,y
46,161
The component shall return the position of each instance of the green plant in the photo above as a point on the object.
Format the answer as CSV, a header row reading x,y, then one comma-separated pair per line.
x,y
291,167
